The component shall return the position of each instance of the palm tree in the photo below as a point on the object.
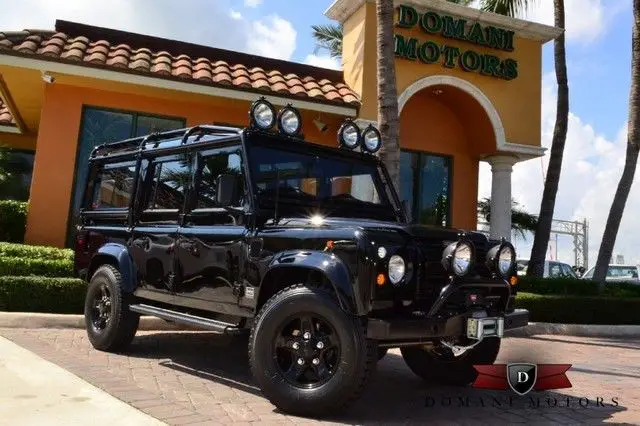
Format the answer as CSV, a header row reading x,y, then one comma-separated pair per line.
x,y
521,221
631,159
547,205
329,38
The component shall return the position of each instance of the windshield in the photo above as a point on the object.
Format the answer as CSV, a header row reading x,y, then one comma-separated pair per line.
x,y
330,185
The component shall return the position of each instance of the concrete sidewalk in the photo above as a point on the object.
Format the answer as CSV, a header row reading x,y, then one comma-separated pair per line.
x,y
36,392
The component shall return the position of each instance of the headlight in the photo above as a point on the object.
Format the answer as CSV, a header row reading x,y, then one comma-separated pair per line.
x,y
262,114
289,121
371,139
501,259
349,135
396,269
458,258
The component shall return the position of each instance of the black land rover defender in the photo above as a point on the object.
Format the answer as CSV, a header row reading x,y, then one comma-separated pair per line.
x,y
305,248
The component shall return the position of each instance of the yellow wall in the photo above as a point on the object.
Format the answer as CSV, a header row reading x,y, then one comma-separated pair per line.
x,y
53,175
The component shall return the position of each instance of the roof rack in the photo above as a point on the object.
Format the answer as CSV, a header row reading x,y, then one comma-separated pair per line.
x,y
140,143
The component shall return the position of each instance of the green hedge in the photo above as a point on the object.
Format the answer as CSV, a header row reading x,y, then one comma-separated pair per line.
x,y
13,220
41,294
20,266
35,252
580,309
577,287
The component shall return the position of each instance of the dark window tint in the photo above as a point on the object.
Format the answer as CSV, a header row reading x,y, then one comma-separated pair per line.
x,y
16,167
168,185
213,164
113,187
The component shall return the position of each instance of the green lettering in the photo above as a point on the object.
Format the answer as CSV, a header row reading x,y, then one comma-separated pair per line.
x,y
431,22
450,55
495,37
509,69
470,61
405,48
454,28
429,52
491,66
476,35
508,41
407,16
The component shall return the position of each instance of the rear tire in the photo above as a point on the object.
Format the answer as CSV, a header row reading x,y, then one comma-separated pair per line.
x,y
326,369
443,368
110,324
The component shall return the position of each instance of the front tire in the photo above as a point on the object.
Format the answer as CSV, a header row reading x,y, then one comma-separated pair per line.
x,y
308,356
439,365
110,324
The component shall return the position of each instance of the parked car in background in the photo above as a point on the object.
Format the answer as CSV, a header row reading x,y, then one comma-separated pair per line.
x,y
618,273
552,269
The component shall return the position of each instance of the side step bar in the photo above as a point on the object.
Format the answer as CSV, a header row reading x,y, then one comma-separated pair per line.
x,y
193,320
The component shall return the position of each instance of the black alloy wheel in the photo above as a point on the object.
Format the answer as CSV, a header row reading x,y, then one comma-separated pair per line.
x,y
101,312
307,350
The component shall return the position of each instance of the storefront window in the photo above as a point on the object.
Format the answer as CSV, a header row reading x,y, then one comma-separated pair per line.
x,y
101,126
425,185
16,167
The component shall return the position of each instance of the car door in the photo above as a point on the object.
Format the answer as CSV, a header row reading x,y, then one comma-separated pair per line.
x,y
156,217
211,241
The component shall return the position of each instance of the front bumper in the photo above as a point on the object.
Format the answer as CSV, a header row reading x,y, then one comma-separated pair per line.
x,y
417,330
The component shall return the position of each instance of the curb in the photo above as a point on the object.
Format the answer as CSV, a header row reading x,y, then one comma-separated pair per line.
x,y
39,320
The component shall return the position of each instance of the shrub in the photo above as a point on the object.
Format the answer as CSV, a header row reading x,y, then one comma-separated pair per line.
x,y
578,287
42,294
20,266
34,252
580,309
13,220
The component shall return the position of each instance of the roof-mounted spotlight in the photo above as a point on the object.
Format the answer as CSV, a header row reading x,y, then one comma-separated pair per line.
x,y
262,114
371,139
289,121
349,135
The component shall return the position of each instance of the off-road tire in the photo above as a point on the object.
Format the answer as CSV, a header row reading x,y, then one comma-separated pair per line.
x,y
456,371
123,323
357,357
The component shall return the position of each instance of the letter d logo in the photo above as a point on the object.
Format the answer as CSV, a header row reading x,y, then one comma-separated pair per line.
x,y
522,377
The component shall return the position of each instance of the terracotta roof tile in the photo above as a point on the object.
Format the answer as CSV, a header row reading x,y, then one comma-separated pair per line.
x,y
163,64
6,119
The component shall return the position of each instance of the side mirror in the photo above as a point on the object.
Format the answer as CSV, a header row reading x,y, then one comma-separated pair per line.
x,y
226,189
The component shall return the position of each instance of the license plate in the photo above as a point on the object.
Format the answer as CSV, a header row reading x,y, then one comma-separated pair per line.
x,y
478,328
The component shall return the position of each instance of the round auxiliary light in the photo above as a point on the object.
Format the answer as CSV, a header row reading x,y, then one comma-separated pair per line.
x,y
349,135
371,139
501,259
262,114
289,121
457,258
382,252
396,269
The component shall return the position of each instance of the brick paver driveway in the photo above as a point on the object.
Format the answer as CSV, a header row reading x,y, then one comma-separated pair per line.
x,y
200,377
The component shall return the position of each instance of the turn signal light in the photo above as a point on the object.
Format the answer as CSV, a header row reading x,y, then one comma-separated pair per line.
x,y
329,246
513,280
380,280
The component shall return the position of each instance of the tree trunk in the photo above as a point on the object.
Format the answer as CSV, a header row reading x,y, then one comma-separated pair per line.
x,y
547,206
388,119
631,160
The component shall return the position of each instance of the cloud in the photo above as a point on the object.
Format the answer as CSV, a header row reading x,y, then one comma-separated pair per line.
x,y
591,168
235,15
272,36
252,3
323,61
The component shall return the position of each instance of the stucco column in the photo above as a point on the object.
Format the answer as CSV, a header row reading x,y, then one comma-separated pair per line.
x,y
500,221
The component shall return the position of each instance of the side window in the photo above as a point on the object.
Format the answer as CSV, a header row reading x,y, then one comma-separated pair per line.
x,y
169,183
113,186
554,270
212,165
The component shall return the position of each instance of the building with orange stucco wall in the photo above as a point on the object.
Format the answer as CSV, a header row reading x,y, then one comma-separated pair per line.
x,y
469,89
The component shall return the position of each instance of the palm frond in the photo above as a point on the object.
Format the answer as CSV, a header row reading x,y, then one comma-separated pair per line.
x,y
461,2
329,38
521,221
513,8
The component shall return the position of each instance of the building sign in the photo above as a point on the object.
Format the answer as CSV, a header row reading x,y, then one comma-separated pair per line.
x,y
431,52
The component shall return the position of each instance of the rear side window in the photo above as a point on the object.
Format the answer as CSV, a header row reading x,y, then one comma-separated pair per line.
x,y
113,186
170,180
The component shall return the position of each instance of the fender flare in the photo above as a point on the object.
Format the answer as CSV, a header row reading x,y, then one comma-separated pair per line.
x,y
330,266
117,255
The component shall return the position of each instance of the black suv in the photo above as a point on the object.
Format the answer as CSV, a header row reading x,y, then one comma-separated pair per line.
x,y
304,248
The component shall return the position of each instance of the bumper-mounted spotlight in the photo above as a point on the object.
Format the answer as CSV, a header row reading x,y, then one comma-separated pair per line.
x,y
501,259
457,258
262,114
349,135
289,121
371,139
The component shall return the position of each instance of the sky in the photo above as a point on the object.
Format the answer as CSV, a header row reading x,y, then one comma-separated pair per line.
x,y
598,59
